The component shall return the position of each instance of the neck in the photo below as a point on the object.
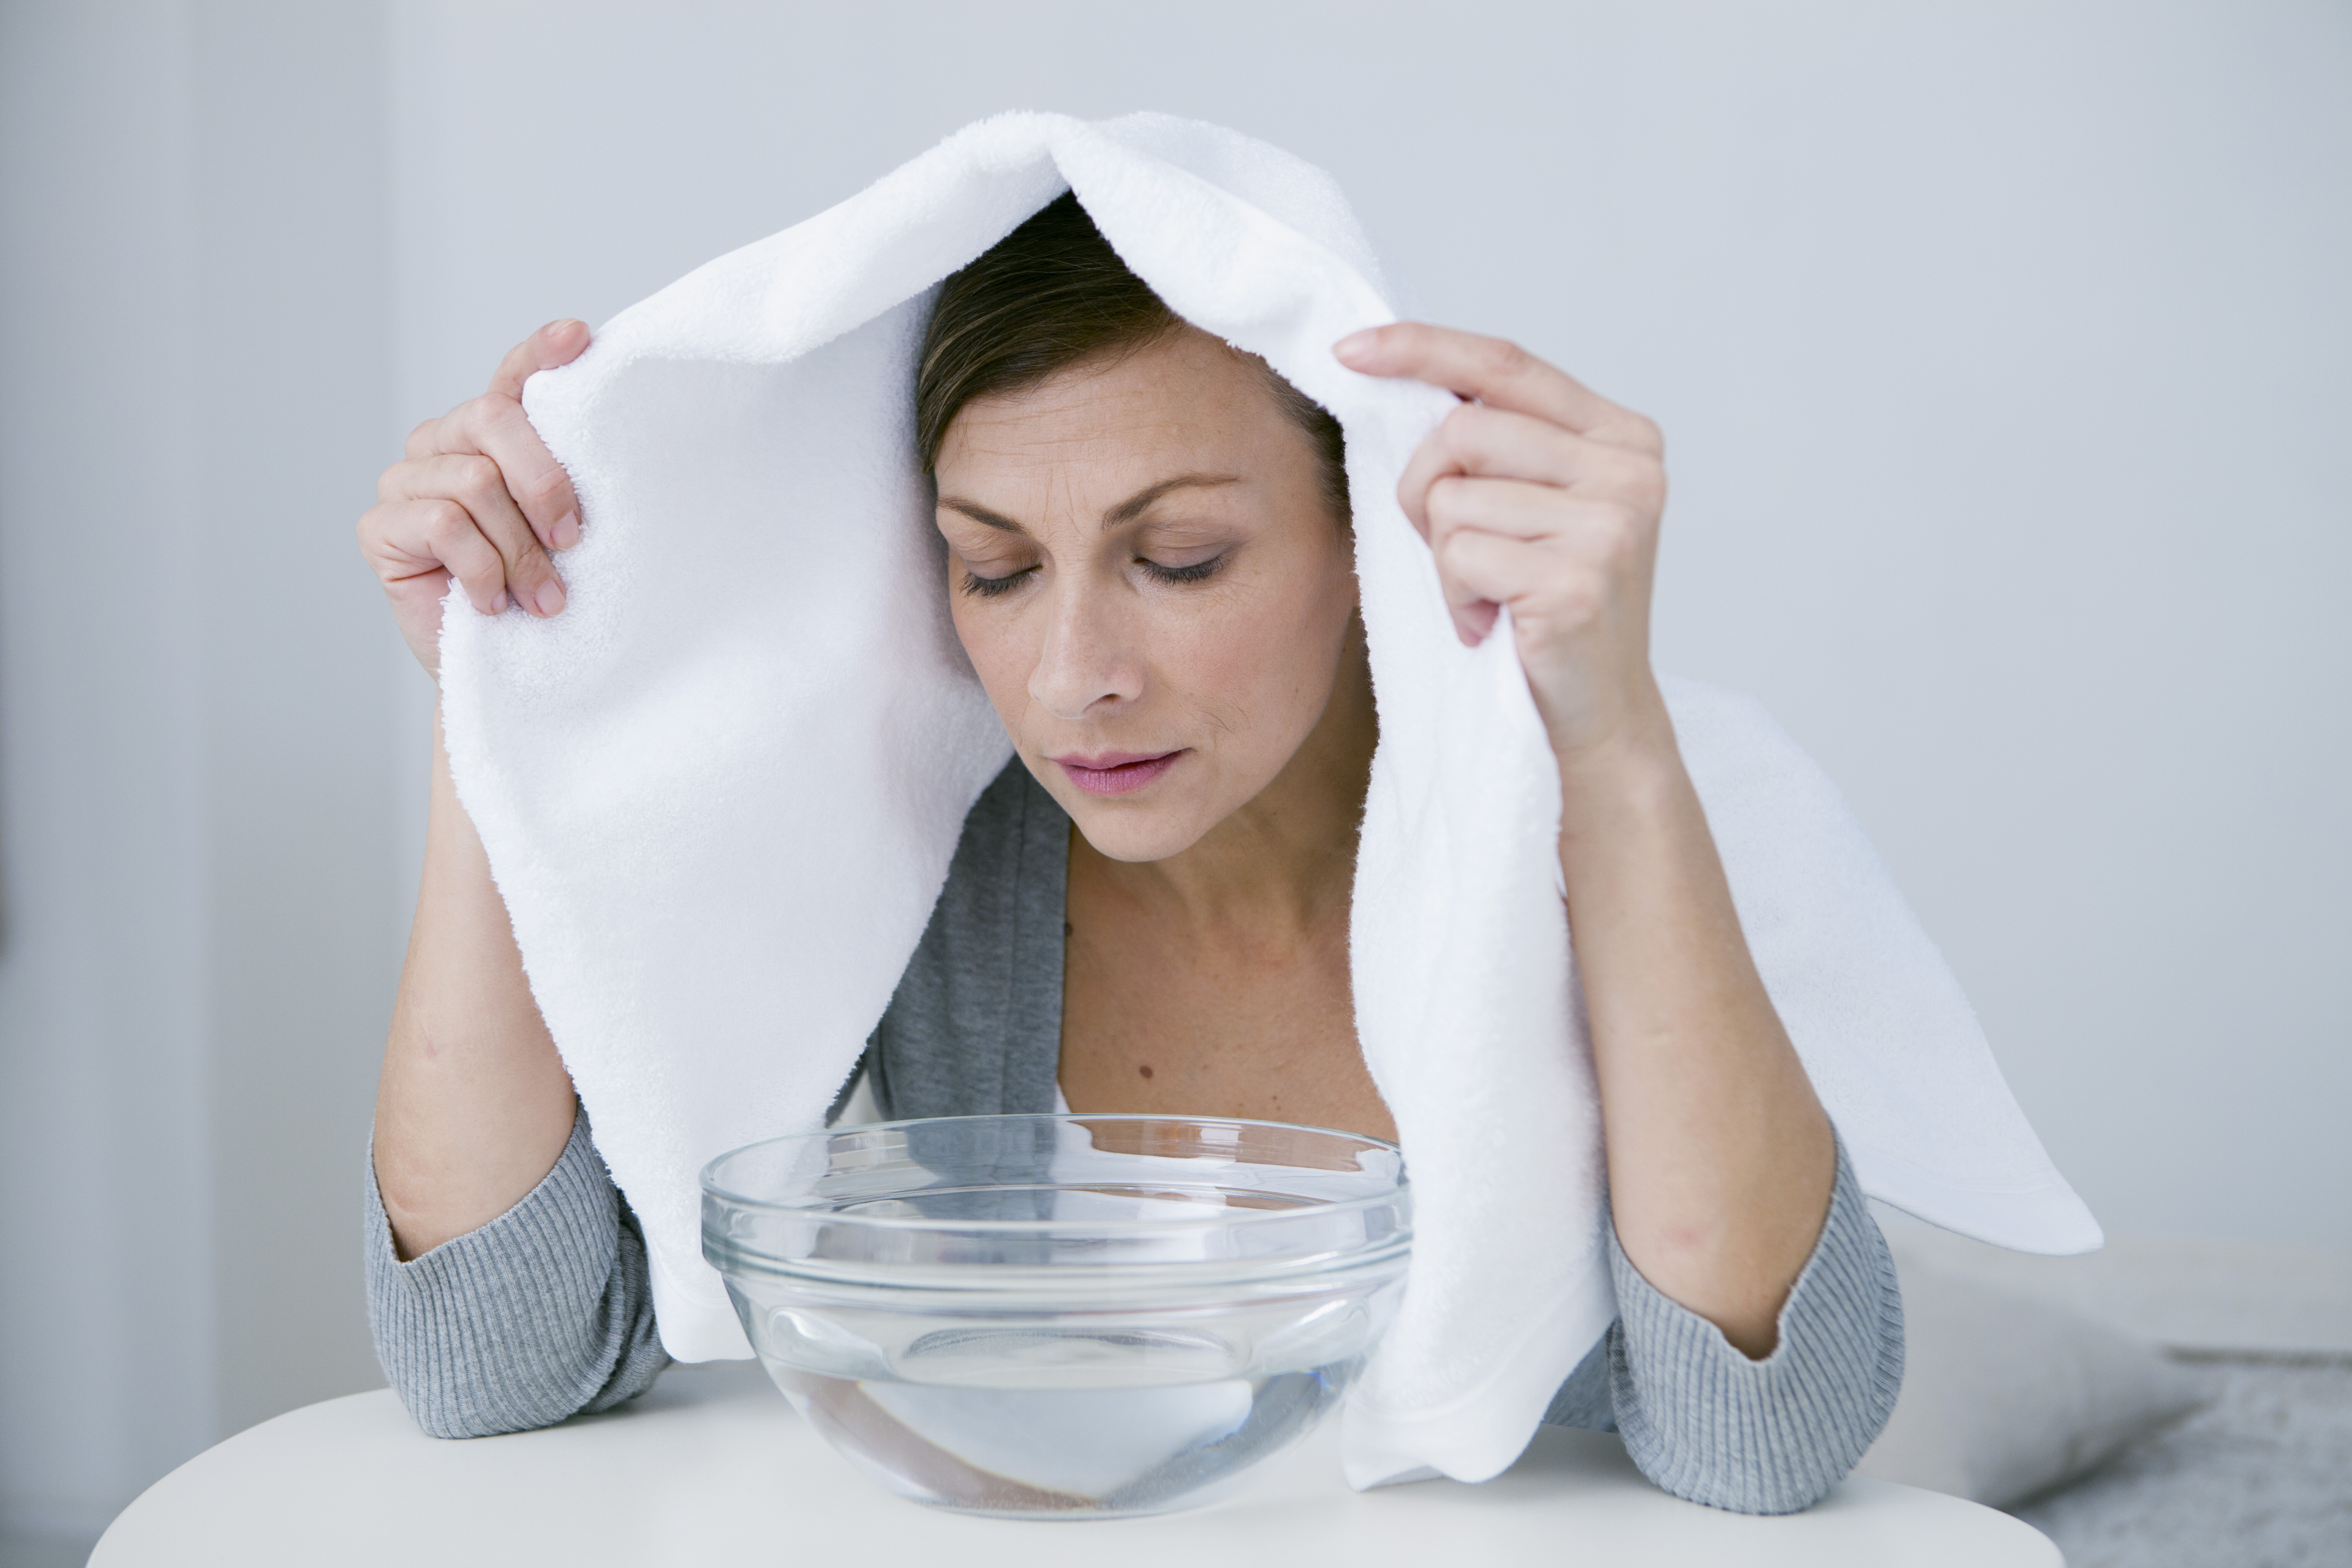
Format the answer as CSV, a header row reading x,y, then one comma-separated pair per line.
x,y
1286,862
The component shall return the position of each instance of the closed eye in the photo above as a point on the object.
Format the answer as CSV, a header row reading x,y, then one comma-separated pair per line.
x,y
1197,572
980,587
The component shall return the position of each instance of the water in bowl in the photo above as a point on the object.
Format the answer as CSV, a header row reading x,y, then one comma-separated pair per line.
x,y
1067,1420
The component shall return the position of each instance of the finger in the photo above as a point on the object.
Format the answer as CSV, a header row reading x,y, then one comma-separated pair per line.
x,y
1496,373
413,538
1589,551
476,483
1474,588
1492,370
495,425
1481,573
420,439
557,342
1608,534
1492,442
1512,508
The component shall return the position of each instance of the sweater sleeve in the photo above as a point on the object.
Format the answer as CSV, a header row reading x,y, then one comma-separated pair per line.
x,y
1706,1423
545,1312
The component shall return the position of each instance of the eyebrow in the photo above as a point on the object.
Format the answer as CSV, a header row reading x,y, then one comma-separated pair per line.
x,y
1125,511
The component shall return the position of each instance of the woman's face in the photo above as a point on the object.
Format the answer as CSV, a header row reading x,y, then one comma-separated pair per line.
x,y
1150,583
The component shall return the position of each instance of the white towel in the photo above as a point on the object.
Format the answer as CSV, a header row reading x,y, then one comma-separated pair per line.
x,y
720,792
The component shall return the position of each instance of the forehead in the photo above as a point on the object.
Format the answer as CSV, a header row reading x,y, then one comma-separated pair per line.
x,y
1187,400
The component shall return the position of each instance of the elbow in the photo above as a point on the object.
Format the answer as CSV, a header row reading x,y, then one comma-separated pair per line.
x,y
1767,1437
462,1395
436,1420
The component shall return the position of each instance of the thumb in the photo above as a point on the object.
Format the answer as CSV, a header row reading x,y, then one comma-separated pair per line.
x,y
557,342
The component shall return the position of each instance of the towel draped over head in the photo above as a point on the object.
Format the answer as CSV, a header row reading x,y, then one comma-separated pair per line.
x,y
720,794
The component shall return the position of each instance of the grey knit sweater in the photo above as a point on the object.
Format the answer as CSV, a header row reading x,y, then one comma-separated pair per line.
x,y
547,1312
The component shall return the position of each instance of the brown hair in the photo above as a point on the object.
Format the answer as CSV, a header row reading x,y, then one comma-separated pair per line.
x,y
1050,295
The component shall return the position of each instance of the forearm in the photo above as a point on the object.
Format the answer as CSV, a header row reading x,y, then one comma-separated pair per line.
x,y
1721,1161
474,1105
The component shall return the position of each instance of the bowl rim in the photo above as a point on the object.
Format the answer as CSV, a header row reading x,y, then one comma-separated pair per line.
x,y
1222,1219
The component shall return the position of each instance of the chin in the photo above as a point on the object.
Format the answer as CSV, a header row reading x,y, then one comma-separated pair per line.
x,y
1134,831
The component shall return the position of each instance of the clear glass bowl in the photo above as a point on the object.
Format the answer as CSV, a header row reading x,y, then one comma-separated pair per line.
x,y
1061,1316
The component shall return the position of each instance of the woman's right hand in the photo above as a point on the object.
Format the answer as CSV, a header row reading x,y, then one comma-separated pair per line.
x,y
478,498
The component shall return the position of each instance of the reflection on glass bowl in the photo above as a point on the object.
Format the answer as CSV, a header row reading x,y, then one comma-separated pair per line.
x,y
1061,1316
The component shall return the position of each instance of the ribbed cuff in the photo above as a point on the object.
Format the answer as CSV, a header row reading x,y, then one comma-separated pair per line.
x,y
1706,1423
541,1314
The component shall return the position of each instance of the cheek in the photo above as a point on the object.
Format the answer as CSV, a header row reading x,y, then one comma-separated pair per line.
x,y
1003,651
1263,663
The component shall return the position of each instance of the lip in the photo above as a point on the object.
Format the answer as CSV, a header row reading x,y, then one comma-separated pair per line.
x,y
1116,773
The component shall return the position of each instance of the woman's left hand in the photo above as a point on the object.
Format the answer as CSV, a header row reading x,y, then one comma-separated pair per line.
x,y
1539,494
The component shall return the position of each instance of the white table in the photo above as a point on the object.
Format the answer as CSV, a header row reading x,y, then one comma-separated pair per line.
x,y
712,1467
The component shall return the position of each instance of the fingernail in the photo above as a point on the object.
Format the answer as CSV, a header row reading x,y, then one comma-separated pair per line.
x,y
498,605
1356,346
551,597
566,530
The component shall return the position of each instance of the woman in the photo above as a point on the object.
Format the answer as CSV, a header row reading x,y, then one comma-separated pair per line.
x,y
1149,565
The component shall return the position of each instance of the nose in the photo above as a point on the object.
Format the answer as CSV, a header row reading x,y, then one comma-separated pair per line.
x,y
1085,660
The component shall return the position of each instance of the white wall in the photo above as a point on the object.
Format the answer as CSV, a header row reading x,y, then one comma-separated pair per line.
x,y
197,851
2000,349
307,913
106,1364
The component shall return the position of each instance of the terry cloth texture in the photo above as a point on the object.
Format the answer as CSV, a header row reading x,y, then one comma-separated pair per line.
x,y
547,1310
700,791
